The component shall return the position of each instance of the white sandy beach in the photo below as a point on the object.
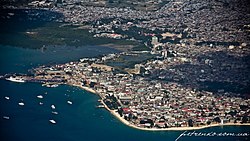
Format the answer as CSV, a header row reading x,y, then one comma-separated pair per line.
x,y
158,129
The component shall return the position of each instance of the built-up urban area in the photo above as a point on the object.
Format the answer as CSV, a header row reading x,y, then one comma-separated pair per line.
x,y
198,72
145,102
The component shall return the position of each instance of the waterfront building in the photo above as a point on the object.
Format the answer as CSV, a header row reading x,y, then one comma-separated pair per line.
x,y
154,40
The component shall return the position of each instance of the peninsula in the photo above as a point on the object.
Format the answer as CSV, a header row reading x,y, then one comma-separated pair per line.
x,y
142,102
189,69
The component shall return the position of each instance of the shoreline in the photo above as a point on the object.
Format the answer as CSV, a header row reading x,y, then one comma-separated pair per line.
x,y
114,113
118,47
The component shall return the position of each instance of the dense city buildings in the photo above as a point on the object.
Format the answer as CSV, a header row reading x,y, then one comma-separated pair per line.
x,y
147,102
194,71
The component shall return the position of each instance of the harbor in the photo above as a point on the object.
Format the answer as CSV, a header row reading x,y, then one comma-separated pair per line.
x,y
85,111
157,95
134,70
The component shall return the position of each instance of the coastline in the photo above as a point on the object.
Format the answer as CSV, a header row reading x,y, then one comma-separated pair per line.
x,y
114,113
124,47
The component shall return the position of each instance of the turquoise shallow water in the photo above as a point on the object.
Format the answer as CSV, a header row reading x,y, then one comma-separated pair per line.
x,y
19,60
79,121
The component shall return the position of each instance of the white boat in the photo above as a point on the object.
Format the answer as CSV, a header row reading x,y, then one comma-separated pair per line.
x,y
16,79
6,117
54,85
52,121
50,85
21,103
40,103
69,102
53,112
53,106
6,97
100,106
40,96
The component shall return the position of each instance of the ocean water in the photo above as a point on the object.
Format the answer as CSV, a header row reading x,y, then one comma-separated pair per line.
x,y
79,121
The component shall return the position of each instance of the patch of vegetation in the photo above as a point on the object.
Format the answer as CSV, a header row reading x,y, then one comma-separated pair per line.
x,y
129,61
53,33
147,5
141,48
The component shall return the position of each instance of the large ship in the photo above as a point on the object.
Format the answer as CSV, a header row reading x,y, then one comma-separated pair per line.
x,y
16,79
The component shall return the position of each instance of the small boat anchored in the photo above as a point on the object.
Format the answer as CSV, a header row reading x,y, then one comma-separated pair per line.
x,y
50,85
16,79
100,106
21,104
53,107
40,96
52,121
6,117
69,102
53,112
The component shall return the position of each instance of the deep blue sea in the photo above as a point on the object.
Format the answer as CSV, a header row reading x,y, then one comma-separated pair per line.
x,y
81,121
